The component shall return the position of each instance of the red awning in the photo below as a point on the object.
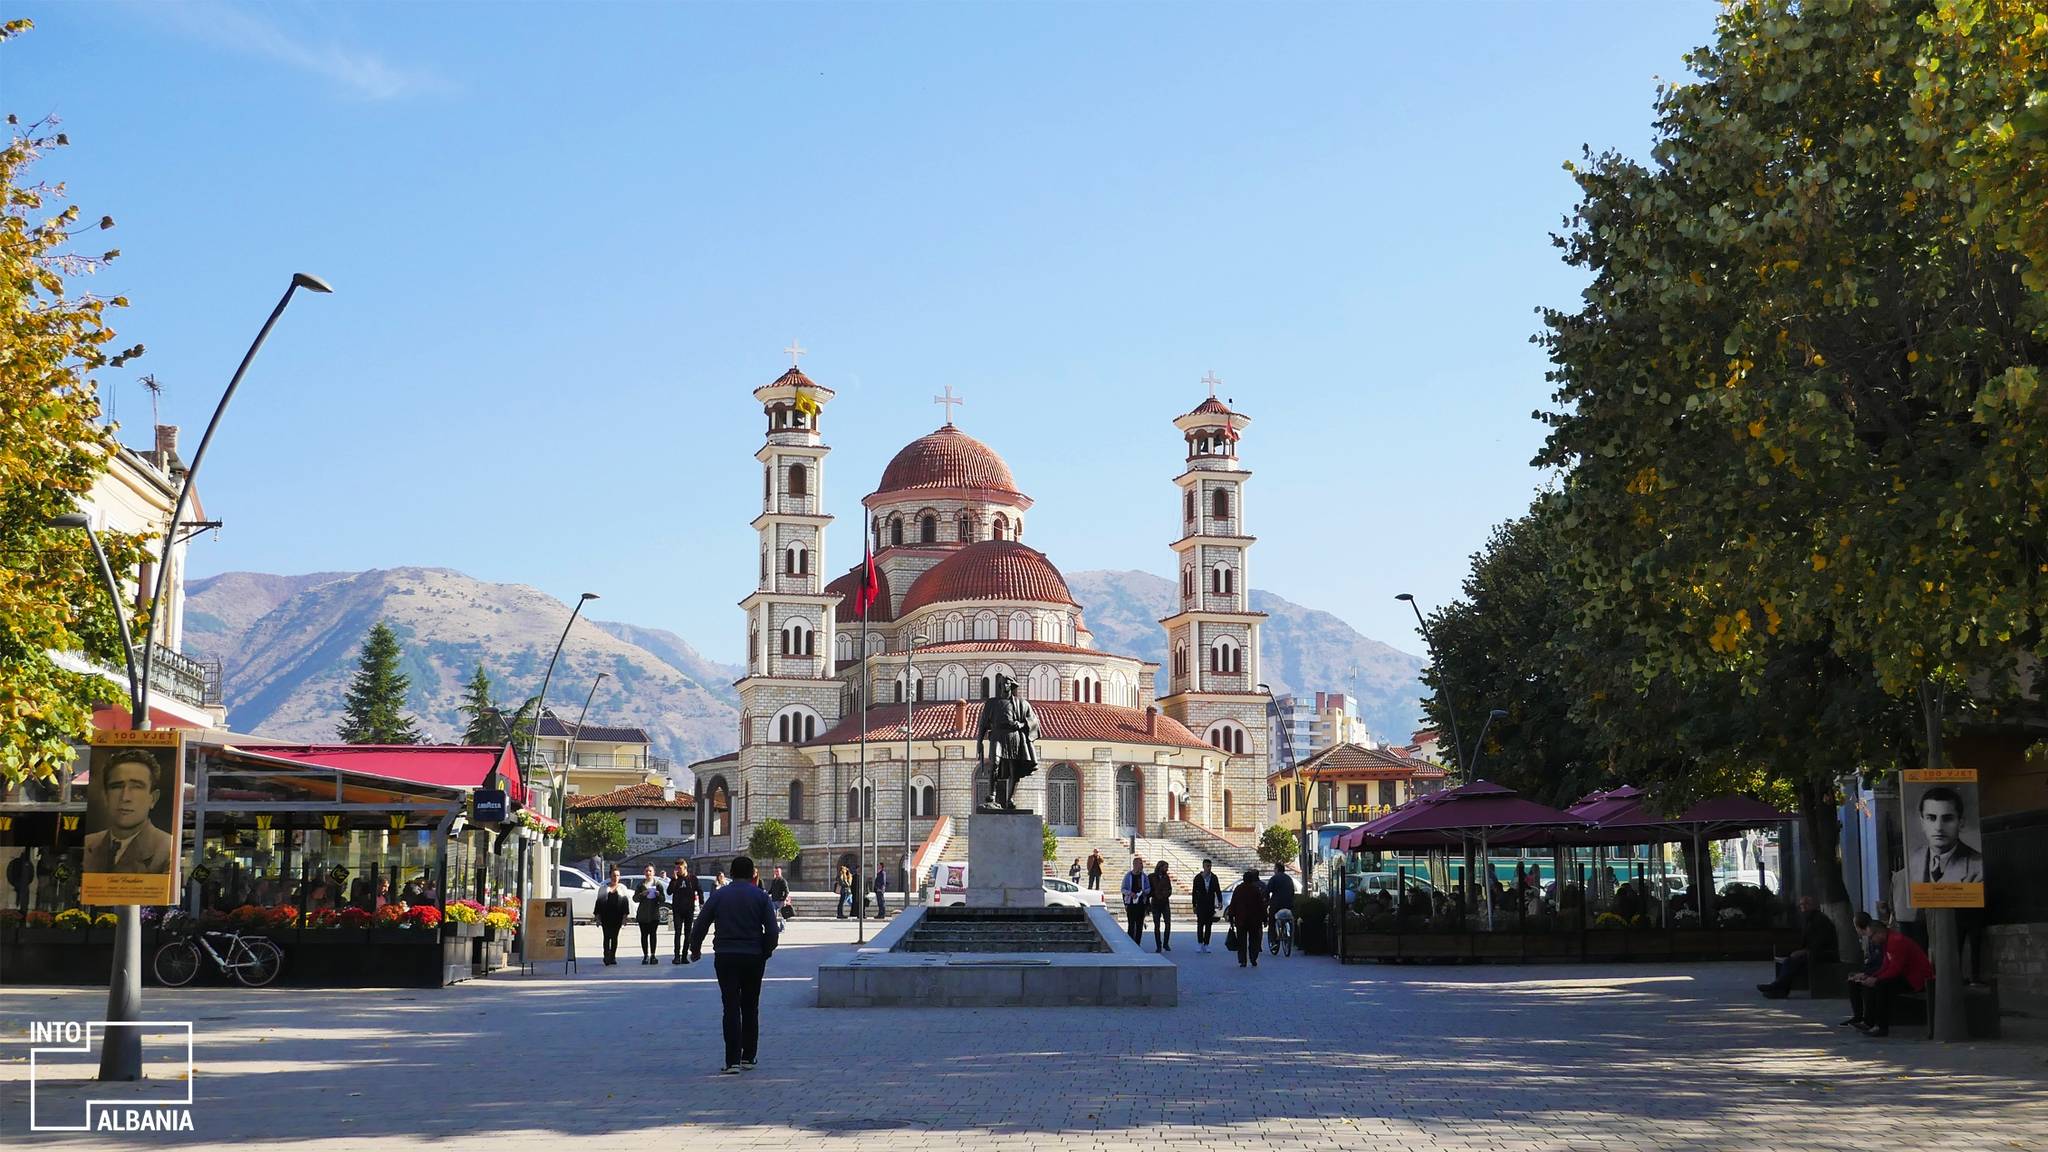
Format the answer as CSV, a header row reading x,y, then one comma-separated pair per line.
x,y
1479,810
441,765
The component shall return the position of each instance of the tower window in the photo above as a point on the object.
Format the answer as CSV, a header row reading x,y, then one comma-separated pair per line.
x,y
799,480
1219,501
998,527
799,639
797,561
928,529
796,799
1222,582
1188,506
896,530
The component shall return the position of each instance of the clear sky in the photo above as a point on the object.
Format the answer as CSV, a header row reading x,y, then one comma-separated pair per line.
x,y
568,240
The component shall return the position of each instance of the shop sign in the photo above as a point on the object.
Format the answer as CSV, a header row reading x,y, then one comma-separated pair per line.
x,y
487,806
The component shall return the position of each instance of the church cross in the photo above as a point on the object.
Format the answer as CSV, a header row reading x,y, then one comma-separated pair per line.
x,y
948,400
796,352
1210,379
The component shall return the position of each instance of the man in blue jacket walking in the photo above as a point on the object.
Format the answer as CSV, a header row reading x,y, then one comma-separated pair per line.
x,y
746,927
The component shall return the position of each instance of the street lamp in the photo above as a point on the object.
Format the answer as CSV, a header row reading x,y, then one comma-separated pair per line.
x,y
540,709
1301,801
569,756
909,698
1479,746
1456,740
121,1050
81,520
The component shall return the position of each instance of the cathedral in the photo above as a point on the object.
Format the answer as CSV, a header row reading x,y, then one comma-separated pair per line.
x,y
963,600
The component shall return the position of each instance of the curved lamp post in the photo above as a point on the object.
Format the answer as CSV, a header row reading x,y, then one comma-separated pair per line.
x,y
1479,745
1287,738
909,703
81,520
540,709
1457,741
121,1051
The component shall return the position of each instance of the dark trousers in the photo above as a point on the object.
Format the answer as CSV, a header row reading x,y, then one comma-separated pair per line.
x,y
739,991
1135,913
1248,943
1203,922
1095,881
1859,998
1877,1002
881,908
1162,925
1792,971
682,921
611,939
650,938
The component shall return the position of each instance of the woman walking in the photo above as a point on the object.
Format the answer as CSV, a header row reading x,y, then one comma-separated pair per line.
x,y
846,891
649,900
1074,872
1161,892
1248,916
611,916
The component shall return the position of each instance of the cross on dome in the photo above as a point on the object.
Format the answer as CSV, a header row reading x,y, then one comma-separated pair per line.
x,y
796,352
1210,379
948,400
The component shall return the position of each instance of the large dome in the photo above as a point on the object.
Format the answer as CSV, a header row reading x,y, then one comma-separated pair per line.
x,y
990,570
947,458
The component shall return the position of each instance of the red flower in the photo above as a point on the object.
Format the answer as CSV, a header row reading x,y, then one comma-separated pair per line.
x,y
354,917
424,916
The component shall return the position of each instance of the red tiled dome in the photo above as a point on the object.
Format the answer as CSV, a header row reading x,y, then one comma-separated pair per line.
x,y
990,570
1212,406
947,458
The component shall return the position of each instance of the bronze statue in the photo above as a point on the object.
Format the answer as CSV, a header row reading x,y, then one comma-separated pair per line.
x,y
1007,744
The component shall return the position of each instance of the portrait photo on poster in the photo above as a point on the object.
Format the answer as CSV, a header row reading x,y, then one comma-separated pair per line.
x,y
131,823
1944,843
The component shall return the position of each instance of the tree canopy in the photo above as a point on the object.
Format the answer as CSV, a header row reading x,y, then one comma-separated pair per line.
x,y
590,834
373,710
772,840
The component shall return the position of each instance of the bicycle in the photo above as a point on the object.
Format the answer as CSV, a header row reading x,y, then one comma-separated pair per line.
x,y
1283,931
253,960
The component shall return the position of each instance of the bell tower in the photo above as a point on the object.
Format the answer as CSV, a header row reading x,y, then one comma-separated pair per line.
x,y
1212,641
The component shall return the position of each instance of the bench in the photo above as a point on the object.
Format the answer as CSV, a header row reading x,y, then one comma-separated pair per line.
x,y
1829,981
1980,1010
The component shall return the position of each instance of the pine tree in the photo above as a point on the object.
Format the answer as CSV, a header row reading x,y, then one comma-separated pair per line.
x,y
373,712
484,725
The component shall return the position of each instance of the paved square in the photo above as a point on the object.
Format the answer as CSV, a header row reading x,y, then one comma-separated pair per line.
x,y
1302,1053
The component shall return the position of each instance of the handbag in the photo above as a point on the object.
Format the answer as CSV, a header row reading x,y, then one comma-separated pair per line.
x,y
1230,939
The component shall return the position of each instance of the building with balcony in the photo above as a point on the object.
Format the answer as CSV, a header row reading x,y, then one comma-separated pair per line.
x,y
599,758
1304,726
1348,784
660,821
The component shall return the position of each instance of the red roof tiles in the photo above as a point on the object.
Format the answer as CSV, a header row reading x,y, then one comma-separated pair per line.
x,y
990,570
947,458
631,796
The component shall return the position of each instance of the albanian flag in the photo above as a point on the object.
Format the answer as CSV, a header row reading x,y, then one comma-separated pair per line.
x,y
870,583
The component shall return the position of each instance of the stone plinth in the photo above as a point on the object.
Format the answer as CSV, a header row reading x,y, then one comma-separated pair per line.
x,y
1005,860
1115,973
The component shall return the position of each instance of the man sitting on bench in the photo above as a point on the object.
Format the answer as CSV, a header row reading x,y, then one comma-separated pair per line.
x,y
1818,947
1873,959
1905,966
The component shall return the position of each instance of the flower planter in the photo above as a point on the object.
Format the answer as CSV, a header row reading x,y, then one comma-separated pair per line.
x,y
57,956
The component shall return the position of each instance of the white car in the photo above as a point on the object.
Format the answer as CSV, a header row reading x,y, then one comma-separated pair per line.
x,y
580,891
1058,891
951,890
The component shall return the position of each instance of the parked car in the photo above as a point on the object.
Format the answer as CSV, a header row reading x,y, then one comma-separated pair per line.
x,y
950,888
580,890
1058,891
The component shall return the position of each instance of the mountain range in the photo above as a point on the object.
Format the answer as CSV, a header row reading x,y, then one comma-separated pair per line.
x,y
288,645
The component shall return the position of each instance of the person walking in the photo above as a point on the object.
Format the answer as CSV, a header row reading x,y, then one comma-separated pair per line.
x,y
1279,894
1208,894
610,911
682,896
1095,869
647,912
778,895
1074,872
1161,891
1136,890
848,892
1248,916
746,935
881,890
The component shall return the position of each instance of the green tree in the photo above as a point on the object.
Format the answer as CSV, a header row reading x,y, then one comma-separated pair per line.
x,y
590,834
373,711
1278,845
489,725
1052,845
772,841
51,450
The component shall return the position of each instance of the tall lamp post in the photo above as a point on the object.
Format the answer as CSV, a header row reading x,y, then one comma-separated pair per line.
x,y
909,702
1457,741
1287,741
540,709
576,733
1479,745
121,1050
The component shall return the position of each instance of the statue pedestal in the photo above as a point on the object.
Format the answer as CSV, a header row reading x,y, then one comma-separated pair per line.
x,y
1005,860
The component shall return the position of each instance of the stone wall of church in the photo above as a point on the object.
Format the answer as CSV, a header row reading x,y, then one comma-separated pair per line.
x,y
1243,777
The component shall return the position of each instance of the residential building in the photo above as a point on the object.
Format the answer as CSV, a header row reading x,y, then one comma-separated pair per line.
x,y
1349,783
605,757
657,817
1304,726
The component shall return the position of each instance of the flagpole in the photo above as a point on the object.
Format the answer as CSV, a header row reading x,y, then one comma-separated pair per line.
x,y
861,797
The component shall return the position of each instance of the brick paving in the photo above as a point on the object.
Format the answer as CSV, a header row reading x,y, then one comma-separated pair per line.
x,y
1301,1054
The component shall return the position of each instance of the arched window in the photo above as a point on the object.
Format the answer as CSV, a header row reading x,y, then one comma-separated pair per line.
x,y
895,529
984,625
924,797
1227,736
1187,583
903,680
1222,580
1120,689
878,534
1188,506
1087,687
967,527
952,682
796,799
956,630
1020,626
1226,655
998,526
854,806
796,561
717,807
1219,503
1044,684
1180,658
846,645
1017,529
989,674
1229,810
928,529
875,643
767,485
799,639
795,724
764,566
799,480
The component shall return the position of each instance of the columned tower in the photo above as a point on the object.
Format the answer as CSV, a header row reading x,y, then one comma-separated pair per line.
x,y
1212,642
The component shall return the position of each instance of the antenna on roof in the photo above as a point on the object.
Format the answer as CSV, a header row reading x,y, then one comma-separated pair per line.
x,y
156,392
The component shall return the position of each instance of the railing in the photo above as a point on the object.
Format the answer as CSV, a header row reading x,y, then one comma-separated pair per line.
x,y
181,677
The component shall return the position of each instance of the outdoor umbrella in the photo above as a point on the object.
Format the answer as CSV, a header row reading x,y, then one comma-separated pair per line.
x,y
1482,811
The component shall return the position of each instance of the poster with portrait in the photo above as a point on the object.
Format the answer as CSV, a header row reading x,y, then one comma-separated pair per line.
x,y
134,813
1944,846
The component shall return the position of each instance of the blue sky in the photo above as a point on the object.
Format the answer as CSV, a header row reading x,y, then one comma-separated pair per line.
x,y
567,241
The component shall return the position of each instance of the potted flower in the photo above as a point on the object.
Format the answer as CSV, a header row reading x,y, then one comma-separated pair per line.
x,y
74,919
465,919
356,918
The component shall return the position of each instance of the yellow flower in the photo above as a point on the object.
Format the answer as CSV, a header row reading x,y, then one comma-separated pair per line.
x,y
1820,562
